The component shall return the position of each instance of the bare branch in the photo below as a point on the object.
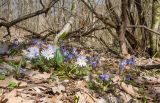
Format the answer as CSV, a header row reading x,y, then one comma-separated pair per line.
x,y
41,3
6,1
142,26
105,20
44,10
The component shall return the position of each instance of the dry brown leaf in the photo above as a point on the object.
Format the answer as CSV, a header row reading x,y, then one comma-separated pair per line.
x,y
101,100
11,97
15,58
4,83
2,95
39,75
15,100
37,90
81,97
13,93
6,68
22,84
112,99
28,101
126,97
57,98
58,89
129,89
25,95
46,100
116,79
89,98
80,84
148,79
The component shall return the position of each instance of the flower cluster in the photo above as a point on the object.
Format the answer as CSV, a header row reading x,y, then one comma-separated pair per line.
x,y
104,77
42,51
38,43
35,51
130,61
81,59
32,52
67,54
123,63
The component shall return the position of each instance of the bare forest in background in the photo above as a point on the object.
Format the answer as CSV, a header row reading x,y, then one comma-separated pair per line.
x,y
121,27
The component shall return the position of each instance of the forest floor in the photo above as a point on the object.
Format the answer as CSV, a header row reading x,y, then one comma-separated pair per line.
x,y
137,84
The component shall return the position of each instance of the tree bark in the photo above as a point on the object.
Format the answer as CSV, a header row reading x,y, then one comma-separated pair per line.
x,y
121,30
142,21
155,24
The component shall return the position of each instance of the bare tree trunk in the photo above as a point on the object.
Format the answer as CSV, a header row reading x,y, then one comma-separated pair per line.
x,y
67,26
155,25
142,21
122,28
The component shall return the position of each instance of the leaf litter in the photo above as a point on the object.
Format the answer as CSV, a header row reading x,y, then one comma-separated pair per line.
x,y
39,87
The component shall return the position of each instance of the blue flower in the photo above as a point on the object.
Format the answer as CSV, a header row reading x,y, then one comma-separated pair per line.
x,y
128,77
32,52
14,46
94,64
104,77
38,42
130,61
82,61
70,56
122,65
74,51
65,52
51,47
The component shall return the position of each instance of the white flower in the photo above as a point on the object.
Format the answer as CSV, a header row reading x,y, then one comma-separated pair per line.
x,y
32,52
48,53
82,61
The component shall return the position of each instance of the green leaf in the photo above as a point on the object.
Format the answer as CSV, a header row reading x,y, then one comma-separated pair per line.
x,y
12,85
2,76
58,57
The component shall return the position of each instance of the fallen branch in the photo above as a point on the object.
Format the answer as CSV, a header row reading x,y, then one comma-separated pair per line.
x,y
142,26
148,67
